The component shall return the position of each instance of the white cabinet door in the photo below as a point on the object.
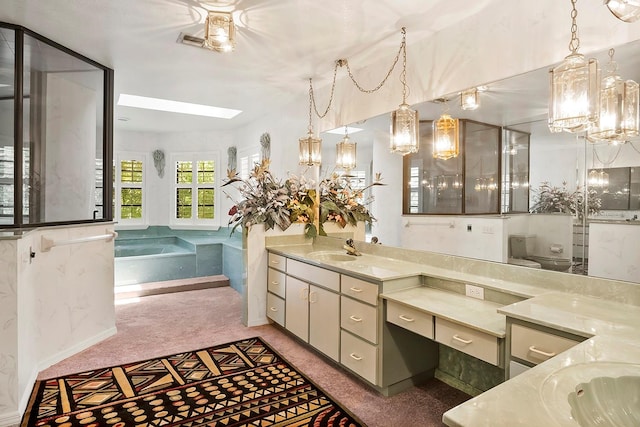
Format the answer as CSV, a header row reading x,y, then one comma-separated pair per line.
x,y
324,321
297,308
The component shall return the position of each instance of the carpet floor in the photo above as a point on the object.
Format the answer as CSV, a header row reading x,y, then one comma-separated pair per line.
x,y
179,322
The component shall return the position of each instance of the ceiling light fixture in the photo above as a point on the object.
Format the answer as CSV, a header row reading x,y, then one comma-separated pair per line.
x,y
574,88
346,153
310,146
624,10
159,104
618,120
404,120
341,130
446,139
470,99
219,31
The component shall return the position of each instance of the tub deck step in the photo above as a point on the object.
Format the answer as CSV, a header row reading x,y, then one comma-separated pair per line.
x,y
170,286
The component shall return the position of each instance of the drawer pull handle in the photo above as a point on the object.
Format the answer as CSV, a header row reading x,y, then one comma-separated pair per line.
x,y
462,340
355,318
533,349
304,294
405,318
355,357
273,309
358,290
275,282
313,297
275,262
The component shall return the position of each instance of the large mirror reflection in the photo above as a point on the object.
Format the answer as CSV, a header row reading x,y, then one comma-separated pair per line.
x,y
517,192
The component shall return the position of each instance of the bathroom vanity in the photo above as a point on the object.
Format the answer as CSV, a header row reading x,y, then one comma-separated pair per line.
x,y
384,313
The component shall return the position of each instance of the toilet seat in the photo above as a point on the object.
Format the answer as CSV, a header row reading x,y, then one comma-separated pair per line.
x,y
524,262
552,263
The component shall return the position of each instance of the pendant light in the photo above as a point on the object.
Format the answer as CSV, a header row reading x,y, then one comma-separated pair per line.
x,y
624,10
618,119
219,32
446,139
404,120
346,153
310,146
574,88
470,99
597,178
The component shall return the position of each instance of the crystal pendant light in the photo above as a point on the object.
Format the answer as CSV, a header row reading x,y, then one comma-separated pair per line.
x,y
470,99
574,88
446,139
219,32
624,10
404,120
310,146
346,153
618,119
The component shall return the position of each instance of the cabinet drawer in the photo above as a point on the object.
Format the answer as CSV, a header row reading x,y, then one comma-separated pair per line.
x,y
359,318
359,289
409,318
275,309
278,262
312,274
536,346
276,282
359,356
475,343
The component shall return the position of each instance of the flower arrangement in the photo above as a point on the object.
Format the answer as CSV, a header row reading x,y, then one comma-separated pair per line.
x,y
272,202
560,199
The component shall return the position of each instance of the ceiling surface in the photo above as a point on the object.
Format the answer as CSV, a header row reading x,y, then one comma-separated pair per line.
x,y
280,44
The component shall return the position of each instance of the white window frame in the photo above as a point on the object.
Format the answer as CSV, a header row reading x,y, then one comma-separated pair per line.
x,y
127,222
247,159
194,222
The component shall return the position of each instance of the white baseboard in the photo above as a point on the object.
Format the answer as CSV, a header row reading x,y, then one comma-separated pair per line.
x,y
53,359
24,401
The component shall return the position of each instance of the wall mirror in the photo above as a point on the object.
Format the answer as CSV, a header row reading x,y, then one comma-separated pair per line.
x,y
519,105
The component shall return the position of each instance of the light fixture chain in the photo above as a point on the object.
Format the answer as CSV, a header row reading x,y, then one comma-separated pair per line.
x,y
574,44
333,88
386,77
310,103
602,162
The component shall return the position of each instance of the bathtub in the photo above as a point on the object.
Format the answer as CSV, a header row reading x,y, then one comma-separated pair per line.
x,y
153,259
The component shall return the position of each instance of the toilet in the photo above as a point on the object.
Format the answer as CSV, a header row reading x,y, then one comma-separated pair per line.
x,y
522,245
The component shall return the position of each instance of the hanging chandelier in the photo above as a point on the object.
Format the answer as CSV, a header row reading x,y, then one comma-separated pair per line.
x,y
618,120
574,84
219,31
346,153
404,120
446,139
598,178
624,10
309,146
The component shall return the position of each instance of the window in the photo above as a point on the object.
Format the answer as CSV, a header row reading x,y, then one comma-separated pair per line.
x,y
247,163
195,189
130,183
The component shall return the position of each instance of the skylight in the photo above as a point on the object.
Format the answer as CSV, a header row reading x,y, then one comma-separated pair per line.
x,y
176,106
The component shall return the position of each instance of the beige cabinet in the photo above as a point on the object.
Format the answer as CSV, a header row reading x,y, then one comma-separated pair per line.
x,y
297,308
324,321
471,341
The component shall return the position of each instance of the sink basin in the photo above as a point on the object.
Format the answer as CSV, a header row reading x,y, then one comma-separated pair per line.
x,y
607,401
334,256
602,394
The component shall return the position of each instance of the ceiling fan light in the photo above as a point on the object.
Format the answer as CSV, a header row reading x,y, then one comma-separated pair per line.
x,y
404,130
574,92
219,32
446,140
346,154
624,10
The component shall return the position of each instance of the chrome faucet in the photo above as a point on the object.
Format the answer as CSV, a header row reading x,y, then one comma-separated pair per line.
x,y
351,248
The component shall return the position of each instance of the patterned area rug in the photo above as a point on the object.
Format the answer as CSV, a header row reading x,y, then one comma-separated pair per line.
x,y
245,383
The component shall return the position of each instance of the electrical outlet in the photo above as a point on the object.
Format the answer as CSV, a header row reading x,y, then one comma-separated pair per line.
x,y
474,291
468,227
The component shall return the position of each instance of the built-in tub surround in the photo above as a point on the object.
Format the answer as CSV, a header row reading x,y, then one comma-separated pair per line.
x,y
160,253
53,304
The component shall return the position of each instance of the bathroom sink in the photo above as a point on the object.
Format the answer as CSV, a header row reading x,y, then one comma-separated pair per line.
x,y
602,394
334,256
607,401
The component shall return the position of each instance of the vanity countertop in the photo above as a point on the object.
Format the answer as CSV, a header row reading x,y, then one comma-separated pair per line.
x,y
380,268
539,396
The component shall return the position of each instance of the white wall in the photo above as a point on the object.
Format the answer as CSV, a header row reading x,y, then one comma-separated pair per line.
x,y
51,306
